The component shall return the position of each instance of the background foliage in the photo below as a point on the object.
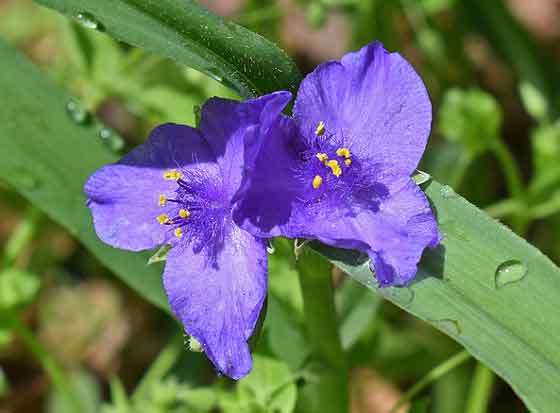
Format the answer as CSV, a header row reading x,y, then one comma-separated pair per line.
x,y
328,343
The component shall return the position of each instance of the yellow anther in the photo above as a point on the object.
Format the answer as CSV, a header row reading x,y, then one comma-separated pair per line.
x,y
348,162
162,200
335,167
178,232
163,219
317,181
323,157
343,152
172,174
320,128
183,213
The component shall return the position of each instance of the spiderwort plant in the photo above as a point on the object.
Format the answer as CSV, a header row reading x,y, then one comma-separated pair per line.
x,y
179,188
339,170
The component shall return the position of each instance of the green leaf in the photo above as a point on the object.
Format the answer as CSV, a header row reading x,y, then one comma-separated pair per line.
x,y
285,337
489,290
46,157
357,309
190,35
17,288
471,117
270,385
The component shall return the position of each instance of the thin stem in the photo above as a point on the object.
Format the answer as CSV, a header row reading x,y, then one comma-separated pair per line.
x,y
53,371
511,170
514,182
434,374
481,390
165,360
321,322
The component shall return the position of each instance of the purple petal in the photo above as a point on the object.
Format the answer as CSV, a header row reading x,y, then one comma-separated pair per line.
x,y
270,189
227,123
218,301
374,100
123,197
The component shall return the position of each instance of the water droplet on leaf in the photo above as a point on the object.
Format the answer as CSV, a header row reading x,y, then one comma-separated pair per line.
x,y
401,295
89,21
509,272
448,325
77,112
447,192
452,229
113,141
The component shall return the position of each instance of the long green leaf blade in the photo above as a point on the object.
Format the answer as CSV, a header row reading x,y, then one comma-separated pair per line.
x,y
488,289
47,157
191,35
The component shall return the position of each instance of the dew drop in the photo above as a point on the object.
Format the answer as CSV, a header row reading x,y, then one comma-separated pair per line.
x,y
448,325
447,192
421,177
88,21
77,112
452,229
401,295
113,141
509,272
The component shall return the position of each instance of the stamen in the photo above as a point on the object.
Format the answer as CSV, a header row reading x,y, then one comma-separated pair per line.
x,y
163,219
348,162
162,200
172,174
323,157
317,181
335,167
343,152
183,213
320,129
178,232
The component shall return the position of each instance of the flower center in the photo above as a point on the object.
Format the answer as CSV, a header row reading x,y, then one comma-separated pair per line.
x,y
328,160
196,211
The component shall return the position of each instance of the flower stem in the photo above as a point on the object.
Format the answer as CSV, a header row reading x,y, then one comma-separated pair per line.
x,y
329,391
510,169
433,375
514,182
481,390
165,360
50,366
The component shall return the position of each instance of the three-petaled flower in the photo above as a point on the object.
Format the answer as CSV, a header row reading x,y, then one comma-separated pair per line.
x,y
179,188
339,171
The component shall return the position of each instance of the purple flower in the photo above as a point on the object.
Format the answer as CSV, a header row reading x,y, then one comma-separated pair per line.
x,y
339,171
179,189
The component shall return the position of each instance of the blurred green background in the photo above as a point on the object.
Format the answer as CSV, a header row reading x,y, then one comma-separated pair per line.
x,y
492,69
